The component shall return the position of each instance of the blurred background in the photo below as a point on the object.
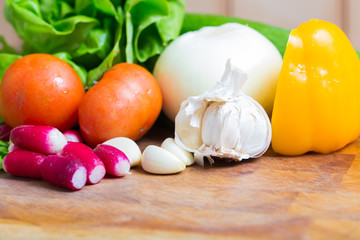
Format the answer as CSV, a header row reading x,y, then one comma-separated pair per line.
x,y
283,13
288,13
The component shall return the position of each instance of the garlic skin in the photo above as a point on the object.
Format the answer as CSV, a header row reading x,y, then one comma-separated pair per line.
x,y
223,121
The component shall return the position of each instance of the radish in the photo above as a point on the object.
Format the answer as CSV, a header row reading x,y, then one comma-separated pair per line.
x,y
5,132
85,154
12,147
72,135
64,172
116,162
23,163
37,138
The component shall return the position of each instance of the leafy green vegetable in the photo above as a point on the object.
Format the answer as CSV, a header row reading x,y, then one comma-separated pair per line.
x,y
5,48
93,35
81,71
150,24
113,56
8,55
3,151
42,31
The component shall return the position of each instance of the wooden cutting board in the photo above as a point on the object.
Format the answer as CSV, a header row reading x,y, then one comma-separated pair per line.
x,y
273,197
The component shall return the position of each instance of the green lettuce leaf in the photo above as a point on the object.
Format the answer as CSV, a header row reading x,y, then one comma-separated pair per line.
x,y
93,35
150,26
39,35
112,58
6,48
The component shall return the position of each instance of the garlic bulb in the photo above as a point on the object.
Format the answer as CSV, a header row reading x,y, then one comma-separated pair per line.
x,y
223,121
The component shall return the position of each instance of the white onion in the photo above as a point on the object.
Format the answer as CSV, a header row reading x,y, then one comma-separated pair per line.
x,y
194,62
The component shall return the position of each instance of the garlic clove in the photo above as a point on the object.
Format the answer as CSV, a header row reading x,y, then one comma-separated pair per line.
x,y
127,146
183,155
259,129
158,160
189,123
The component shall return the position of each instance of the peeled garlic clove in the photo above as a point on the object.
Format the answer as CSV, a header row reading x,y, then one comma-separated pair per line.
x,y
160,161
183,155
224,121
127,146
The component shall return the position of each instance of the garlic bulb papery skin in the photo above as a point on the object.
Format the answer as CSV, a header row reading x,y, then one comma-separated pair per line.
x,y
223,121
195,61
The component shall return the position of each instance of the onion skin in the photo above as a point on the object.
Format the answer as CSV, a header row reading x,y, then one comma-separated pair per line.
x,y
195,61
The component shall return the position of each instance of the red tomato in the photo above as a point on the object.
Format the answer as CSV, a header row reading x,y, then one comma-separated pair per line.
x,y
124,103
40,89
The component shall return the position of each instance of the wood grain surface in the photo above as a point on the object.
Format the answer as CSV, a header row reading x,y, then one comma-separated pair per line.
x,y
313,196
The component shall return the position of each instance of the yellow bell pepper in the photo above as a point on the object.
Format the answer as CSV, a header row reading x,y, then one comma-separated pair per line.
x,y
317,102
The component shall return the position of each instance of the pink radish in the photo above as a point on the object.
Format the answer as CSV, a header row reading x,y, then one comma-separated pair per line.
x,y
37,138
85,154
5,132
116,162
72,135
23,163
64,172
12,147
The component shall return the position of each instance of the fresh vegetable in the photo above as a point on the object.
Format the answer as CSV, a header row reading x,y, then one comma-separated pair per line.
x,y
223,121
8,55
317,103
42,139
158,160
94,166
63,172
127,146
185,156
6,59
5,48
23,163
40,89
80,70
72,135
4,150
12,147
116,162
5,132
96,34
125,103
278,36
195,61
